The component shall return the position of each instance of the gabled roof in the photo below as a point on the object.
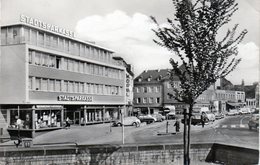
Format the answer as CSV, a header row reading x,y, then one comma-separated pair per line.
x,y
153,76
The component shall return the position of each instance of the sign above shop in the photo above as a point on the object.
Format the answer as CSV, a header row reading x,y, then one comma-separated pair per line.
x,y
43,25
75,98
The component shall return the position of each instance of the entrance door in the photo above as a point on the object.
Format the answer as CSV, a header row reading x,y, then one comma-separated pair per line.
x,y
77,117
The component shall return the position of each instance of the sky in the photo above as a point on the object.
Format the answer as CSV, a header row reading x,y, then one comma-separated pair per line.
x,y
125,27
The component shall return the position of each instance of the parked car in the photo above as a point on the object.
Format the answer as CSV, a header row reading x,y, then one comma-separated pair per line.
x,y
210,116
170,116
128,121
219,116
147,118
195,119
158,117
244,111
232,112
253,123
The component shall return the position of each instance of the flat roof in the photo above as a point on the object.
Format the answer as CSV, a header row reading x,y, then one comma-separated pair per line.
x,y
75,39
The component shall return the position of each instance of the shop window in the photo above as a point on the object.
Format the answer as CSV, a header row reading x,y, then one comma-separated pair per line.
x,y
47,118
21,119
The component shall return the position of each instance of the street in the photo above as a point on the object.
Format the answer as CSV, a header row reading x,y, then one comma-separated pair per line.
x,y
230,130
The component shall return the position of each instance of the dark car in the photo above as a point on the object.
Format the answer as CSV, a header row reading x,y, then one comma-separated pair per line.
x,y
147,118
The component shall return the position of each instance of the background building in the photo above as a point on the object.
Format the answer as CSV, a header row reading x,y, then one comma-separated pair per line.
x,y
46,75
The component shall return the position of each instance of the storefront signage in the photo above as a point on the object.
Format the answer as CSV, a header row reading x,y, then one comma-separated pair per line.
x,y
46,26
75,98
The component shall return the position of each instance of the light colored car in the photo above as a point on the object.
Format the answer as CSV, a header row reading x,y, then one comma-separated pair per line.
x,y
253,123
210,116
232,112
158,117
128,121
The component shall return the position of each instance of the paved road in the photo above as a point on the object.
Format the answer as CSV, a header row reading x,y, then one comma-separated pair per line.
x,y
231,130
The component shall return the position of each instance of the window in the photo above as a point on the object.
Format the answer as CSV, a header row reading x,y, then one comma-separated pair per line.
x,y
30,57
37,58
66,86
45,59
81,87
137,89
58,85
48,40
157,89
145,89
70,84
81,67
58,63
70,65
144,100
44,85
55,41
138,100
168,85
52,61
40,38
158,100
76,87
76,66
51,85
37,84
65,64
150,89
150,100
30,83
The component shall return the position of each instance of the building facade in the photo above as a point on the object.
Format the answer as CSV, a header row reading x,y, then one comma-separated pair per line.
x,y
46,76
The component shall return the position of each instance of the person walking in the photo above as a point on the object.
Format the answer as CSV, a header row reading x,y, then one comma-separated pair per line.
x,y
67,125
202,118
177,125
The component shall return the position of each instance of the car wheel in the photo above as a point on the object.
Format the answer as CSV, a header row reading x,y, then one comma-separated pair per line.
x,y
134,124
119,124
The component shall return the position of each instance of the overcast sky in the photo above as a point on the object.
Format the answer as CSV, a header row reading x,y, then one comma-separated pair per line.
x,y
124,26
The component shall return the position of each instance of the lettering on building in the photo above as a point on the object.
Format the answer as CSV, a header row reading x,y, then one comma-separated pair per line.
x,y
75,98
43,25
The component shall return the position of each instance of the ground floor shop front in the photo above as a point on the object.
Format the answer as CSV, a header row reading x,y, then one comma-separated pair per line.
x,y
27,120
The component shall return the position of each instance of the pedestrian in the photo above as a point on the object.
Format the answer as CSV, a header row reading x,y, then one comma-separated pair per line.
x,y
67,125
177,125
202,118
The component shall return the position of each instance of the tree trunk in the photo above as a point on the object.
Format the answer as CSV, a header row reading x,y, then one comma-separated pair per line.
x,y
189,128
185,154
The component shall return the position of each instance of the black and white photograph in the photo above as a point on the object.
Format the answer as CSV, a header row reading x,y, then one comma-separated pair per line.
x,y
129,82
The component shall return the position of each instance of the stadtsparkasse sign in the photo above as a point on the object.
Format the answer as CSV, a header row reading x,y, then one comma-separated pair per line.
x,y
75,98
46,26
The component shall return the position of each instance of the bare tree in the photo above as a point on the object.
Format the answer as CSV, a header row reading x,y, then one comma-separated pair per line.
x,y
193,37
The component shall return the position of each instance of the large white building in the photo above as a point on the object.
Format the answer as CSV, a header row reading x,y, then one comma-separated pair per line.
x,y
47,75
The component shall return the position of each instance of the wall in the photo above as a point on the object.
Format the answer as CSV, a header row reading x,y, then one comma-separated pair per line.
x,y
160,154
13,74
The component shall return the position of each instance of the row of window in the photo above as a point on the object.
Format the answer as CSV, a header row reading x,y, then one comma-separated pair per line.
x,y
146,100
55,85
148,89
14,35
52,61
